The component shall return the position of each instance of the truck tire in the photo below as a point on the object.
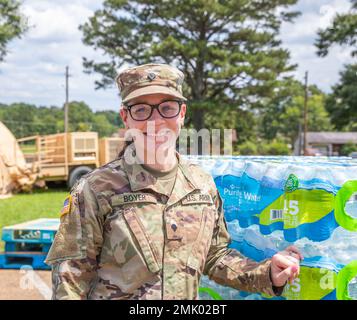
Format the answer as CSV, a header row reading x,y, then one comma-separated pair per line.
x,y
76,174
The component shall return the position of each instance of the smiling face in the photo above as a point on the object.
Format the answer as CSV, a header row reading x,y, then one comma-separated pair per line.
x,y
156,136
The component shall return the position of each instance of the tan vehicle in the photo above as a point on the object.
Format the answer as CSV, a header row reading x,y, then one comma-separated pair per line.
x,y
68,156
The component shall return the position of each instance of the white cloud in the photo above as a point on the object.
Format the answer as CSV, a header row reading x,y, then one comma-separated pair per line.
x,y
324,72
57,23
311,20
299,38
33,71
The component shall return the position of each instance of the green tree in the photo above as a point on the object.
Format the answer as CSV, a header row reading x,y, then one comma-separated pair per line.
x,y
27,120
47,118
342,103
318,118
225,116
113,117
247,148
348,148
80,117
228,49
263,147
274,148
103,126
284,114
2,110
12,24
342,31
20,119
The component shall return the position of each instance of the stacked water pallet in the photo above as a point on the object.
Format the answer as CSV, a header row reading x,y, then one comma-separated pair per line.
x,y
28,244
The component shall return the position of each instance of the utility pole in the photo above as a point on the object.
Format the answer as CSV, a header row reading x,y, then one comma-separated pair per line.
x,y
305,113
66,105
300,140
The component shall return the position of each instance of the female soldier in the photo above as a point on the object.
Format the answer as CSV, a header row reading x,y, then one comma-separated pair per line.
x,y
143,229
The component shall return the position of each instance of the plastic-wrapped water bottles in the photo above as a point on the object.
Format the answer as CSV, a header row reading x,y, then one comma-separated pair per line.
x,y
321,278
341,246
304,198
328,271
273,202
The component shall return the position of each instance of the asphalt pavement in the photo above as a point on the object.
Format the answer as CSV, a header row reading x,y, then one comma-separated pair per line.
x,y
25,285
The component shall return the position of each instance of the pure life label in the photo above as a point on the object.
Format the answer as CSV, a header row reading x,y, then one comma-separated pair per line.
x,y
308,201
233,191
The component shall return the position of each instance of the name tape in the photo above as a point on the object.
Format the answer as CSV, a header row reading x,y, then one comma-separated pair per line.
x,y
197,198
124,198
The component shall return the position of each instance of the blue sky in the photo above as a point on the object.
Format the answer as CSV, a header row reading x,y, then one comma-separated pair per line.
x,y
33,71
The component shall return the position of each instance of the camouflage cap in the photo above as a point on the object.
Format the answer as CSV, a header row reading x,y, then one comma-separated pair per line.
x,y
149,79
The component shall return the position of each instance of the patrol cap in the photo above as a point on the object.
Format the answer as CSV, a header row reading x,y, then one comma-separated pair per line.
x,y
150,79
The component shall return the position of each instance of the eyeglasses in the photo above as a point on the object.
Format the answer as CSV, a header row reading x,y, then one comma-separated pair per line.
x,y
143,111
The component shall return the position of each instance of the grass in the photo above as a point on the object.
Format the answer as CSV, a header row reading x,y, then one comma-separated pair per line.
x,y
28,149
25,207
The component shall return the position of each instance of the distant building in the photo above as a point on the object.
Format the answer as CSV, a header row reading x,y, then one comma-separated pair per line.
x,y
324,143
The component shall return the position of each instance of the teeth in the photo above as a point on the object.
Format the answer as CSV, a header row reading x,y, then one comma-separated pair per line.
x,y
156,135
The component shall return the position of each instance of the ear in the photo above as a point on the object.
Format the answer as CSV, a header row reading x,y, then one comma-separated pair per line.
x,y
124,116
183,113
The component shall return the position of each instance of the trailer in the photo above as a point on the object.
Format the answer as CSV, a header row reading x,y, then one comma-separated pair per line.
x,y
69,156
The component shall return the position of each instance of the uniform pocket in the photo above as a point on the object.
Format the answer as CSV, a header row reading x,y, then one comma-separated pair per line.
x,y
125,205
142,238
183,224
200,248
185,221
127,260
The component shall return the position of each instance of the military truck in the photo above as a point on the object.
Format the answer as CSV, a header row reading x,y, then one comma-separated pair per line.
x,y
68,156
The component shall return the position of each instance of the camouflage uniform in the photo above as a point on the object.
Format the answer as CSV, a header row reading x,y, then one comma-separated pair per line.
x,y
125,237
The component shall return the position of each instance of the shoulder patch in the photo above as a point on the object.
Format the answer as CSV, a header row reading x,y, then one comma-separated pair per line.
x,y
66,206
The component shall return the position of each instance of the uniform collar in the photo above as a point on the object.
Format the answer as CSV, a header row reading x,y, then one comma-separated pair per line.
x,y
140,179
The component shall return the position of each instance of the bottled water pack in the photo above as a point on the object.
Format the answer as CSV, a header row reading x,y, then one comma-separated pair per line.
x,y
302,197
273,202
328,271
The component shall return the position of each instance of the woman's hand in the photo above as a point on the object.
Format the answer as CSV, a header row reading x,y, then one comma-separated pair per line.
x,y
285,266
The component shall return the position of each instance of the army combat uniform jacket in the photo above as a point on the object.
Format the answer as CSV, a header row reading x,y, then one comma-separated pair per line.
x,y
123,236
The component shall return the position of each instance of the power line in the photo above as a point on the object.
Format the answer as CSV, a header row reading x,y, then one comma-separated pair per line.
x,y
27,122
44,123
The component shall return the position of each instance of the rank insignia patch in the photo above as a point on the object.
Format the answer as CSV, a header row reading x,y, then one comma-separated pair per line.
x,y
66,206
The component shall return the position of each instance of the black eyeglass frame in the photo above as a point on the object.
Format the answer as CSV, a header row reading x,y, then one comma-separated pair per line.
x,y
154,106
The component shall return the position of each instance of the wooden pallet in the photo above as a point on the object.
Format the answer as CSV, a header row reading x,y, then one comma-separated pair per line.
x,y
35,231
25,246
17,260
